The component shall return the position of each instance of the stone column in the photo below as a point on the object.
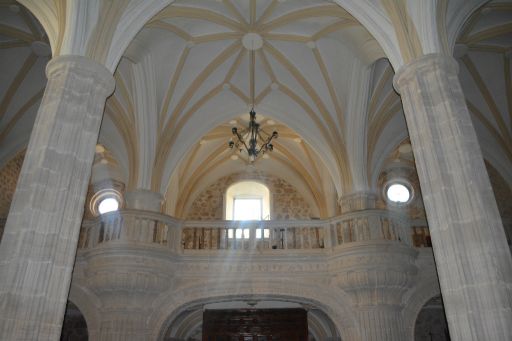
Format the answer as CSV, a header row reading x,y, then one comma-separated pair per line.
x,y
39,243
472,256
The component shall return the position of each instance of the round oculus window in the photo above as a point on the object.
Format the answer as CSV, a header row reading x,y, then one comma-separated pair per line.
x,y
108,205
398,193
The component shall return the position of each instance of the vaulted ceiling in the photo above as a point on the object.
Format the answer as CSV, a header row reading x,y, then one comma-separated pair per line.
x,y
198,65
310,70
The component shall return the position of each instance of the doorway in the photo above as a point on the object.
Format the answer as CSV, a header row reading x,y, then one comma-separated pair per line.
x,y
255,325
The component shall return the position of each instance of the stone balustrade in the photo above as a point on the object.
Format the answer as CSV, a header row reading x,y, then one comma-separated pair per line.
x,y
141,227
370,225
149,228
250,235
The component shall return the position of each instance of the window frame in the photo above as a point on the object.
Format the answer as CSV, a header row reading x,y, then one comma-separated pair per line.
x,y
247,189
398,181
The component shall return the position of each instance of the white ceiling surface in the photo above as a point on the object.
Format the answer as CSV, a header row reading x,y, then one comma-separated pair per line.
x,y
296,64
21,78
484,70
183,51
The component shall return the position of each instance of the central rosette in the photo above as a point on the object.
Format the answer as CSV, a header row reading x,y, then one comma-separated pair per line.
x,y
252,41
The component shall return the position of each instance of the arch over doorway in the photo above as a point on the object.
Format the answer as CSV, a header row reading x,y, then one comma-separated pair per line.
x,y
188,325
174,303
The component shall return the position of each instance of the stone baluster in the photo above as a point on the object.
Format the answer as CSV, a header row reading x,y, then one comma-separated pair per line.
x,y
472,256
40,239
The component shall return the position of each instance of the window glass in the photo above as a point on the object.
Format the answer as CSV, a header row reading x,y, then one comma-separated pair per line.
x,y
247,200
247,209
108,205
398,193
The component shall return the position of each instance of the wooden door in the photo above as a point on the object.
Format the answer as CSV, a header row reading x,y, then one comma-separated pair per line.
x,y
255,325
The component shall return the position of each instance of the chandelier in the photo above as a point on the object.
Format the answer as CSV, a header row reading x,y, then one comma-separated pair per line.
x,y
253,140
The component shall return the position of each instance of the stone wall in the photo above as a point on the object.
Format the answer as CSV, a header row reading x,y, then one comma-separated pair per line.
x,y
8,178
286,201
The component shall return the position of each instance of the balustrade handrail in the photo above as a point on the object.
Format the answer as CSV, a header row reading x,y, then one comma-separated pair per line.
x,y
252,223
134,213
233,223
292,222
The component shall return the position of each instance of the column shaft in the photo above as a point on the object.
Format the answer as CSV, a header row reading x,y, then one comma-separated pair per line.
x,y
39,244
472,256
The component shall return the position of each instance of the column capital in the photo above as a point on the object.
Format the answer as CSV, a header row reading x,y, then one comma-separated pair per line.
x,y
82,67
424,64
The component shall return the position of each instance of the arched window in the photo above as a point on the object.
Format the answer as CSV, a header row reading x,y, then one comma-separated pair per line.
x,y
247,200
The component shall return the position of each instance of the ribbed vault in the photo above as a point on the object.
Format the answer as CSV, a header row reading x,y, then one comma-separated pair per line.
x,y
188,74
319,78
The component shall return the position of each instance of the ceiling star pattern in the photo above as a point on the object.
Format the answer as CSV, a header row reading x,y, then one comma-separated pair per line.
x,y
288,74
311,70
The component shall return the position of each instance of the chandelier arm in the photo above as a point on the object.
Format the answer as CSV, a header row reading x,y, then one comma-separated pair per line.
x,y
241,140
265,145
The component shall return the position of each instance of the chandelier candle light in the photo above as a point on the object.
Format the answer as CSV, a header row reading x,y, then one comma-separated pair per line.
x,y
254,140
